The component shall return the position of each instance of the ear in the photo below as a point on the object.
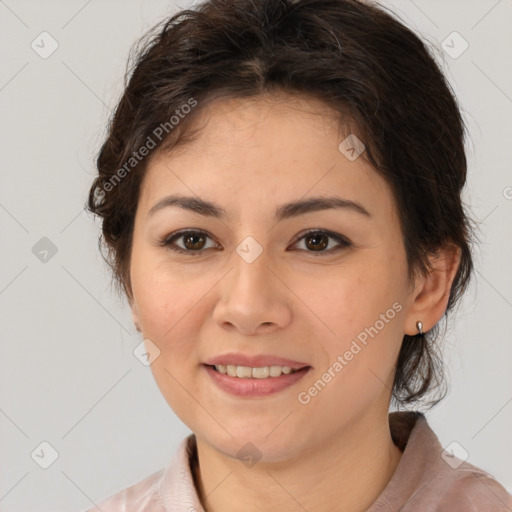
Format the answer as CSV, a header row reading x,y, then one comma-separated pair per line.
x,y
135,316
431,293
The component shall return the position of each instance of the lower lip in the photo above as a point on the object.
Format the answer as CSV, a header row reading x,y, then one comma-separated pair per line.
x,y
254,387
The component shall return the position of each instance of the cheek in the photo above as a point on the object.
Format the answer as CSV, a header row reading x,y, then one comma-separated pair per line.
x,y
168,306
163,294
171,315
346,300
360,309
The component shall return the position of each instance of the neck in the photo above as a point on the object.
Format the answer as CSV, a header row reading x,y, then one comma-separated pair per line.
x,y
345,472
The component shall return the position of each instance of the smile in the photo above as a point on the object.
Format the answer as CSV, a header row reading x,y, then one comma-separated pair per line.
x,y
248,372
248,382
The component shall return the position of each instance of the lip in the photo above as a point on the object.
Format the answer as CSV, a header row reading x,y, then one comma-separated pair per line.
x,y
257,361
254,387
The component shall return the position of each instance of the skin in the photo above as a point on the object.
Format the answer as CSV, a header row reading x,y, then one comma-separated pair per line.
x,y
252,155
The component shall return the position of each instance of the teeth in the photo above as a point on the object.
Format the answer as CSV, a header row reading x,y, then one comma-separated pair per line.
x,y
275,371
246,372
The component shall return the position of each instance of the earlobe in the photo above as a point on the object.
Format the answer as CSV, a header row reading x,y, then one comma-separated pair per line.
x,y
431,295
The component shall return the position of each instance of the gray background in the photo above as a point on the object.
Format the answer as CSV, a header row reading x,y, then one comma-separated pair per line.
x,y
67,372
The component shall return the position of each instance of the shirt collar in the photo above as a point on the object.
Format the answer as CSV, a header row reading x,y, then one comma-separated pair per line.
x,y
178,491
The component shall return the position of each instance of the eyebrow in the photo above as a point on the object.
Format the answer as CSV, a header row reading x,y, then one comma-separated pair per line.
x,y
285,211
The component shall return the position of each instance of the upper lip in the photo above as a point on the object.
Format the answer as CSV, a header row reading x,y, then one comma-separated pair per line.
x,y
257,361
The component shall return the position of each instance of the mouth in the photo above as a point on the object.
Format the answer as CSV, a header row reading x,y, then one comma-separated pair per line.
x,y
259,372
254,381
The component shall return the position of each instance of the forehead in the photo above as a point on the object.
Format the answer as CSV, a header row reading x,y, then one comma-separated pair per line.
x,y
263,148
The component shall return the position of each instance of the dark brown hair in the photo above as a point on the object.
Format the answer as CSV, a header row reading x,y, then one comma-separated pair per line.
x,y
358,59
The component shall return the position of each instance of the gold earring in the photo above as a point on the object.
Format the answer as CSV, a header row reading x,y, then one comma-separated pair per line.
x,y
419,326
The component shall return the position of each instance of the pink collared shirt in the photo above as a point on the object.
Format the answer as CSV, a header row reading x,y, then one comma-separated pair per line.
x,y
427,479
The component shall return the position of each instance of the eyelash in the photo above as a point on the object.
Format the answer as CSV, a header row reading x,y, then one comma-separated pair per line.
x,y
168,241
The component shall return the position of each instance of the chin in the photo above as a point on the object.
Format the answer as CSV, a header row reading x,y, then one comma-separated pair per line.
x,y
254,444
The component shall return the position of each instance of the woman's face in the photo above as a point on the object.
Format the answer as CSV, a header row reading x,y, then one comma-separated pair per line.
x,y
254,283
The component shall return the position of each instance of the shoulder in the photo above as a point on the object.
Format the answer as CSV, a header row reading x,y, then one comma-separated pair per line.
x,y
140,497
431,478
168,489
471,489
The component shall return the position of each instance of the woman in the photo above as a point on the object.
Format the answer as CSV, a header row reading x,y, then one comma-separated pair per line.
x,y
280,192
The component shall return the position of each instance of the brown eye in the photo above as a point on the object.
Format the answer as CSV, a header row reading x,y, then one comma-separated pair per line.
x,y
317,240
192,242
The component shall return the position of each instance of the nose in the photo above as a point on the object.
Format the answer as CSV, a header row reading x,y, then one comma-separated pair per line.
x,y
253,299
